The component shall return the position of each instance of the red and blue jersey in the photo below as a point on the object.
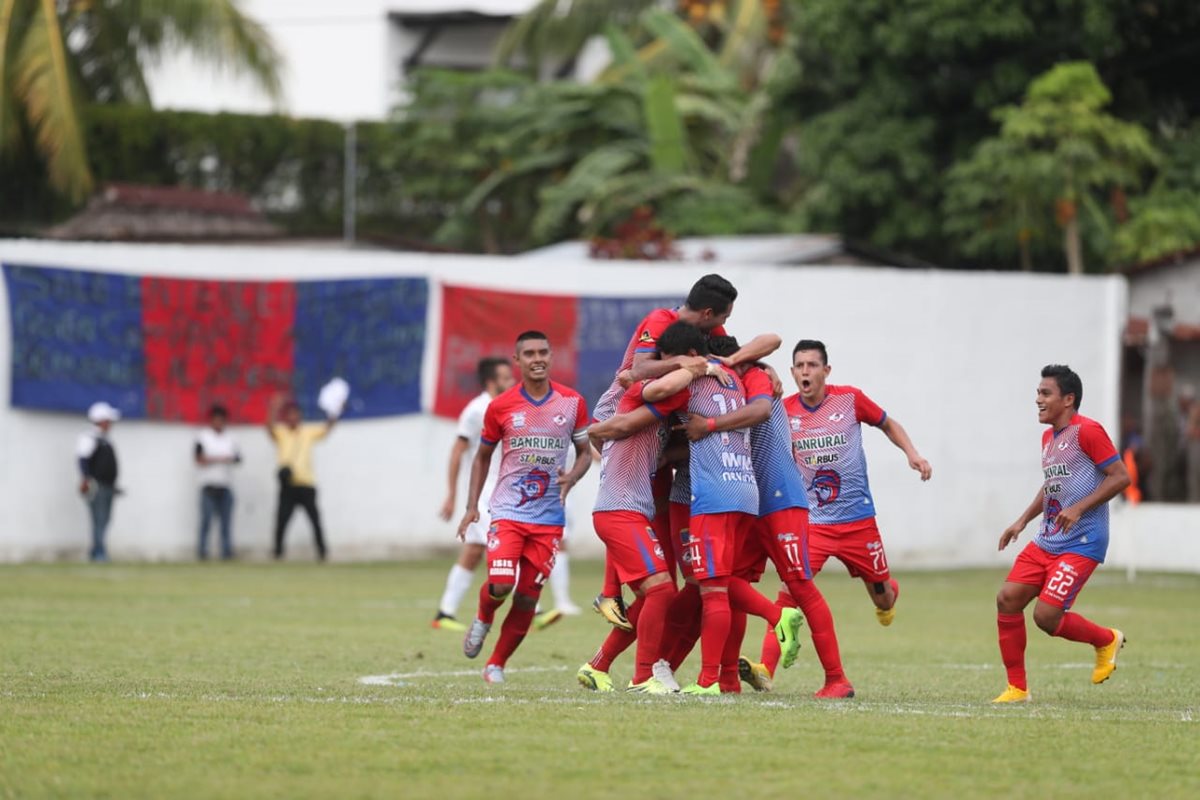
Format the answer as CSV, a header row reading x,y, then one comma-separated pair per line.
x,y
719,466
535,438
644,340
628,466
1073,463
827,448
779,483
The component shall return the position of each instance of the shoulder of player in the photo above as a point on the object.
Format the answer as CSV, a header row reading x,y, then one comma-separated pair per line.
x,y
565,391
831,390
508,397
791,403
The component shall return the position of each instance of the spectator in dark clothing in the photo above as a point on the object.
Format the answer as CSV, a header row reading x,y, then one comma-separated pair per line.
x,y
98,471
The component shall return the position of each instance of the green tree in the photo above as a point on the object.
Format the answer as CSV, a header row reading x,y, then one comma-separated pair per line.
x,y
1058,144
56,55
895,92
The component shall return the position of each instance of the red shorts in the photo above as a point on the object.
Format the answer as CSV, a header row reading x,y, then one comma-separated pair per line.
x,y
855,544
783,534
750,560
681,534
713,543
632,544
1060,576
513,544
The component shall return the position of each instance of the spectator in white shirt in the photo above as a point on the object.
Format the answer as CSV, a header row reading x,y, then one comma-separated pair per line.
x,y
98,471
216,453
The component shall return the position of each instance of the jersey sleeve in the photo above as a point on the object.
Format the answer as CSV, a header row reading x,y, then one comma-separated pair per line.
x,y
651,328
867,410
676,402
1095,443
581,420
492,430
470,422
85,446
758,384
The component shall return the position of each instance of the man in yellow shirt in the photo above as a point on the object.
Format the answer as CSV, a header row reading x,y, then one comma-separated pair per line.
x,y
294,442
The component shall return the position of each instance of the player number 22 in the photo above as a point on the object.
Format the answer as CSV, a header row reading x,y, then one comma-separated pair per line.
x,y
1060,583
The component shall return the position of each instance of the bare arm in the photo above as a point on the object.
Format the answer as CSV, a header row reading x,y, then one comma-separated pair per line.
x,y
583,462
899,437
1028,515
747,416
456,454
620,426
757,348
273,409
1116,479
647,366
479,471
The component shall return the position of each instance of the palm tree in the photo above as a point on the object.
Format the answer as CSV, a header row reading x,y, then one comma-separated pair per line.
x,y
56,55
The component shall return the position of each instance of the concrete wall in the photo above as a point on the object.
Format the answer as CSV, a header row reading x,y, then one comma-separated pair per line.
x,y
953,356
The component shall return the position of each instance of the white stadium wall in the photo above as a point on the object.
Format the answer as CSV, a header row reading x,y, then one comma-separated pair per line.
x,y
953,356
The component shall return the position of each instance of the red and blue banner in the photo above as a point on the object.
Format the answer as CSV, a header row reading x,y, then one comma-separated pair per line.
x,y
167,348
588,336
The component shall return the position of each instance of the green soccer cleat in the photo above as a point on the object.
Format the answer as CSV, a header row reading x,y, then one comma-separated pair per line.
x,y
651,685
703,691
445,622
546,619
591,678
787,630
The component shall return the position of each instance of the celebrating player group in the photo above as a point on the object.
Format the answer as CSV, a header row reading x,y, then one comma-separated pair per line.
x,y
707,472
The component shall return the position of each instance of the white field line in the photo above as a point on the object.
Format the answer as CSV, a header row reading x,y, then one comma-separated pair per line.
x,y
399,678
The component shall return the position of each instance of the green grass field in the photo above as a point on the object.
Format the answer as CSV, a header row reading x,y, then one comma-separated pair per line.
x,y
246,681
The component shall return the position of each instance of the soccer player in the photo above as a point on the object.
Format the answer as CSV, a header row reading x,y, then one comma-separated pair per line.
x,y
782,529
723,509
534,423
495,377
1081,472
825,424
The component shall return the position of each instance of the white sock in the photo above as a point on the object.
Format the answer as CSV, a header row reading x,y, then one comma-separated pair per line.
x,y
560,582
458,582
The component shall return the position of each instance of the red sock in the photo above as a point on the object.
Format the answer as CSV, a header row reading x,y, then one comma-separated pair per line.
x,y
488,604
714,630
730,682
1078,628
512,633
682,626
618,641
770,645
1011,628
651,622
744,597
820,624
612,583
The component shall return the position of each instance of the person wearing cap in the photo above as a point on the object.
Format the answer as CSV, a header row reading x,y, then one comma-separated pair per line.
x,y
98,471
216,454
294,442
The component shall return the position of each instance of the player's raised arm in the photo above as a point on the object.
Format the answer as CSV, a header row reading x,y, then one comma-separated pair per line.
x,y
1028,515
756,349
899,437
479,471
274,406
622,426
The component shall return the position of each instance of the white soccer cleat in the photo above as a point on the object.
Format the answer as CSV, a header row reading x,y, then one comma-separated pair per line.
x,y
662,671
493,673
473,641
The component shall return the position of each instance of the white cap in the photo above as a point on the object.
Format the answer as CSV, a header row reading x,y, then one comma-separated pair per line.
x,y
103,412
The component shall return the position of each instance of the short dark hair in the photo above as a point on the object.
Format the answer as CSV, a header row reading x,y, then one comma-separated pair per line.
x,y
811,344
679,338
525,335
1068,381
723,345
487,369
711,291
218,410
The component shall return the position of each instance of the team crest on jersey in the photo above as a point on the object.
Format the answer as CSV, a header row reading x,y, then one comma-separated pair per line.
x,y
1063,444
518,419
533,486
794,422
646,338
836,416
827,485
559,419
1050,515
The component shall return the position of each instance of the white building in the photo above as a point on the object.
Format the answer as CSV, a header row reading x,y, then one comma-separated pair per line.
x,y
343,61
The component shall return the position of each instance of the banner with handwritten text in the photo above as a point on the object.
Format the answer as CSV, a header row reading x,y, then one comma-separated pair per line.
x,y
168,348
